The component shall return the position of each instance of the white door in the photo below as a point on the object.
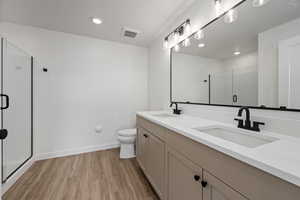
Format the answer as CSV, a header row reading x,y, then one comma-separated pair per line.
x,y
245,87
289,73
221,88
16,88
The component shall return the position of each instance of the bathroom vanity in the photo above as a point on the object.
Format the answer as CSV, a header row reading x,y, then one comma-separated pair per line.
x,y
182,160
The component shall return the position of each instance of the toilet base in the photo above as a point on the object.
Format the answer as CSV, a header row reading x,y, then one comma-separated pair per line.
x,y
127,151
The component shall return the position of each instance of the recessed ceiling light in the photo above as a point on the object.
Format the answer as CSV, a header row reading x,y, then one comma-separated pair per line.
x,y
201,45
96,20
237,53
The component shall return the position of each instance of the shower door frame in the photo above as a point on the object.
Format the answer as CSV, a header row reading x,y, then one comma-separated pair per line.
x,y
3,40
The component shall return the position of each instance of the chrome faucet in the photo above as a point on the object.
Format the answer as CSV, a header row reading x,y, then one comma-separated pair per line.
x,y
247,123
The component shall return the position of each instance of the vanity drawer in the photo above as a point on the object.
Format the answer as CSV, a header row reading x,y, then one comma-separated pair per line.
x,y
253,183
153,128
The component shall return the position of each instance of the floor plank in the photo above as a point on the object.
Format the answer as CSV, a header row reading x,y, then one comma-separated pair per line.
x,y
92,176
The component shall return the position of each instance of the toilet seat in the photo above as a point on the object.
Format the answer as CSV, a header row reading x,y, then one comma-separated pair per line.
x,y
127,133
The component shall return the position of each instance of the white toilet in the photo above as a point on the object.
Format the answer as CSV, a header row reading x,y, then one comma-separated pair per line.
x,y
126,138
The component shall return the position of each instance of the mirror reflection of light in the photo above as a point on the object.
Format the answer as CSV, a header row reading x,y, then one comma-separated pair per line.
x,y
237,53
199,35
166,43
258,3
176,37
188,29
231,16
201,45
187,42
96,20
218,7
177,47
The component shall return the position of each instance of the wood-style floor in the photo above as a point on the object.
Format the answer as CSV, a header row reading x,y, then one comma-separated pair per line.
x,y
92,176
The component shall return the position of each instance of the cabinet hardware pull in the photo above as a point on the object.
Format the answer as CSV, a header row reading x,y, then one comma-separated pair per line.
x,y
204,183
197,177
145,135
3,134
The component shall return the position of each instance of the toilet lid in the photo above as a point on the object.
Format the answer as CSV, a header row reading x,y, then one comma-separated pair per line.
x,y
127,132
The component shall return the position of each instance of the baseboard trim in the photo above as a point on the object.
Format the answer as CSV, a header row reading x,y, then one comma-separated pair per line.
x,y
71,152
13,179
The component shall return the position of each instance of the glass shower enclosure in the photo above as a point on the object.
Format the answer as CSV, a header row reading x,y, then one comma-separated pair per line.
x,y
16,108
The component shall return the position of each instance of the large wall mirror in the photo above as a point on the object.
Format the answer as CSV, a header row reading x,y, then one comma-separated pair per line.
x,y
248,58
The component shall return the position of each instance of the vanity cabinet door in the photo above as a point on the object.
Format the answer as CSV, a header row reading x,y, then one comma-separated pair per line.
x,y
215,189
184,178
141,147
156,163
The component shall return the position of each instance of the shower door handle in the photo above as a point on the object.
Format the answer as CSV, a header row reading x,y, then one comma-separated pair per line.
x,y
6,101
3,134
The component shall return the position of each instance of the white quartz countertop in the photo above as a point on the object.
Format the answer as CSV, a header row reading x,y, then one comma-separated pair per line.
x,y
280,158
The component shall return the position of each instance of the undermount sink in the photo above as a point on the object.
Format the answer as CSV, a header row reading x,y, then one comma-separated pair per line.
x,y
242,137
164,115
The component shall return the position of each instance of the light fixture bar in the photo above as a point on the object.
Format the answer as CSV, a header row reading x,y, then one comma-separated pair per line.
x,y
182,29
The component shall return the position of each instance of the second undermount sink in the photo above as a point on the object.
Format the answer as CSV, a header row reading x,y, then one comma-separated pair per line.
x,y
242,137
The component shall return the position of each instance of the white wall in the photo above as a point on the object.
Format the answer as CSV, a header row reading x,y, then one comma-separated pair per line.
x,y
268,60
201,13
89,83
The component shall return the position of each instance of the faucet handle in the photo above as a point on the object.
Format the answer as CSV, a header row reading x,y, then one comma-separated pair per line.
x,y
240,121
256,126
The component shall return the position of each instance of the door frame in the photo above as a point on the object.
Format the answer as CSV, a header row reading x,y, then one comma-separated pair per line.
x,y
3,41
284,69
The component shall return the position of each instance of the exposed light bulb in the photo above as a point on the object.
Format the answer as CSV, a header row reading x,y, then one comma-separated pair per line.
x,y
218,7
166,43
231,16
177,47
258,3
201,45
187,42
199,34
187,28
176,37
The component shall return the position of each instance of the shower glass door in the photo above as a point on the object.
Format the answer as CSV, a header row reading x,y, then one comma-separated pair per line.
x,y
16,87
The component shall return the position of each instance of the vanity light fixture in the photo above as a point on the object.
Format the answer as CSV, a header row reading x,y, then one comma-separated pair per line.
x,y
166,43
96,20
187,27
176,36
179,34
231,16
237,53
199,34
201,45
218,7
258,3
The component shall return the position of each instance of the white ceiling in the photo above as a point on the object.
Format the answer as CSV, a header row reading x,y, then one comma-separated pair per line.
x,y
72,16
